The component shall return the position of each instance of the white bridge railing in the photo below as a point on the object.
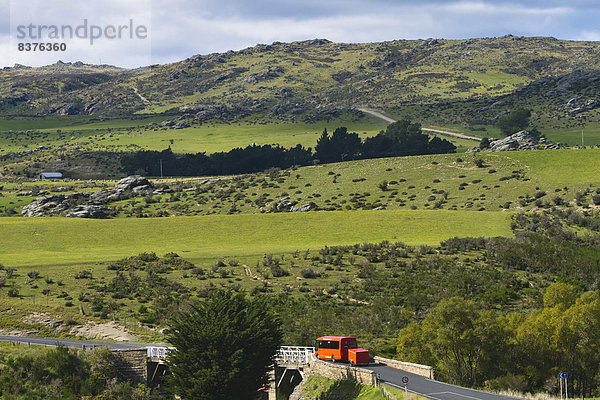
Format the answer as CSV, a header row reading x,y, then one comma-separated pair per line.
x,y
158,354
294,355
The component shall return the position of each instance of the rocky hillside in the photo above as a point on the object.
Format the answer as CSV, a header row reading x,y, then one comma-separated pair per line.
x,y
291,78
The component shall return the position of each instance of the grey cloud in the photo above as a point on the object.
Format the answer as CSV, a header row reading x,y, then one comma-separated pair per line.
x,y
181,28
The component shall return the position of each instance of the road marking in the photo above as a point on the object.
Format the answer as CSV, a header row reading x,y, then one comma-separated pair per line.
x,y
412,391
456,394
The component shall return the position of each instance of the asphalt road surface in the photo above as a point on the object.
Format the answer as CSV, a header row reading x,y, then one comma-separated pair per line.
x,y
429,388
80,344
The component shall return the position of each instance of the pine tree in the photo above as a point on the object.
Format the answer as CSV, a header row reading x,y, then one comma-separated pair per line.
x,y
224,348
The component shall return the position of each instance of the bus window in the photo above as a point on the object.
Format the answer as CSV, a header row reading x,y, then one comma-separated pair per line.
x,y
345,345
328,344
352,344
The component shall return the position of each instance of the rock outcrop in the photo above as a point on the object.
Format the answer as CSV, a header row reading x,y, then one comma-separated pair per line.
x,y
519,141
522,140
92,205
88,211
305,208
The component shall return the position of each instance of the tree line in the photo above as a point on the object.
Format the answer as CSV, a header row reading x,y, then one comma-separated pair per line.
x,y
485,348
402,138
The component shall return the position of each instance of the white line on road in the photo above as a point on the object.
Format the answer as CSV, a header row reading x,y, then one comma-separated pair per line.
x,y
412,391
456,394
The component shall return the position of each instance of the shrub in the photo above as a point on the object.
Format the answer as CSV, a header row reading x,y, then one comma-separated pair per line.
x,y
278,271
33,274
85,274
310,273
514,121
13,292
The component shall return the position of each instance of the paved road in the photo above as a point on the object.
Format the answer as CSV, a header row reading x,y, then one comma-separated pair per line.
x,y
73,343
429,388
379,114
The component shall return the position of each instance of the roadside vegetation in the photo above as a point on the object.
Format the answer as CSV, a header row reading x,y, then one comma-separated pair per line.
x,y
39,373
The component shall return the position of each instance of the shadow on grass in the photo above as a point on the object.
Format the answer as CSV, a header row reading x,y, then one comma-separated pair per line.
x,y
341,390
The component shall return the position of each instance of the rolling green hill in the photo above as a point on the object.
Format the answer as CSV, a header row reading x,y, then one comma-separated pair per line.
x,y
287,79
509,181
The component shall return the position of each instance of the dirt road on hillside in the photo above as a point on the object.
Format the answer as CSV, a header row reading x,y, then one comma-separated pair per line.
x,y
379,114
145,100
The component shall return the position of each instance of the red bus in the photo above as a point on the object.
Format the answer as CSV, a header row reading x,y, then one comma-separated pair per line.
x,y
341,348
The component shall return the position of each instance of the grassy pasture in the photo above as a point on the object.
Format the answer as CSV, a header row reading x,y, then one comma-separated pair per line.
x,y
211,138
52,241
507,181
562,167
207,138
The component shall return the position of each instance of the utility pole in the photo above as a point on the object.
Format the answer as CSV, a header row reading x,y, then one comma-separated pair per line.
x,y
161,172
582,138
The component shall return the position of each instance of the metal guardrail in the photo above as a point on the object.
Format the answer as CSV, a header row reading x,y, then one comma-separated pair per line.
x,y
294,355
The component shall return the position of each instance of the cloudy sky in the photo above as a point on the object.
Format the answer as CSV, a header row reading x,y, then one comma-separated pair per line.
x,y
177,29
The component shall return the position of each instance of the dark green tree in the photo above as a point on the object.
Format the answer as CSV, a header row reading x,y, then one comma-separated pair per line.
x,y
341,145
324,148
224,347
515,121
484,143
345,145
404,138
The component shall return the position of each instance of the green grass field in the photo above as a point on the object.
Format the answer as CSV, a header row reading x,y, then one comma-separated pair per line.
x,y
562,167
508,180
211,138
55,241
207,138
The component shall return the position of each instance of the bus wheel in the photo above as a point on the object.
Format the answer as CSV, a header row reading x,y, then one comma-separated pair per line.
x,y
332,358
